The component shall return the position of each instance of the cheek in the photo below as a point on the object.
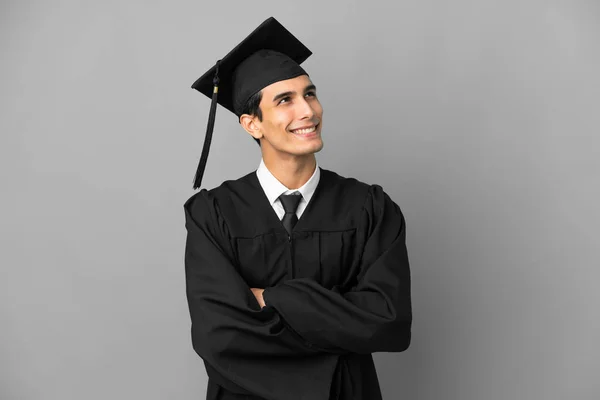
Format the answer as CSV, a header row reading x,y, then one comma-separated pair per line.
x,y
281,120
275,126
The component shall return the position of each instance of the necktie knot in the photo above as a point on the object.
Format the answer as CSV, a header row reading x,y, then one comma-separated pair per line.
x,y
290,204
290,201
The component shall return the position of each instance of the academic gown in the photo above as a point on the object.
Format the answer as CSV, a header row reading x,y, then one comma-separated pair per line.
x,y
336,290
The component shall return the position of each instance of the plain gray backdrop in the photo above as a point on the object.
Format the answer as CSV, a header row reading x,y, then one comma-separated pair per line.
x,y
479,118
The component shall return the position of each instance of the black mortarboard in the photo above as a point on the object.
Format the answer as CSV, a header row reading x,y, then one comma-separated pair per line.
x,y
269,54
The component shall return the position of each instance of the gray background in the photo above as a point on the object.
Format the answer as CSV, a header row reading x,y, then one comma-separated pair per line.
x,y
479,118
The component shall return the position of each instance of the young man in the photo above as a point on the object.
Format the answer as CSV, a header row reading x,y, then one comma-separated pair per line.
x,y
295,275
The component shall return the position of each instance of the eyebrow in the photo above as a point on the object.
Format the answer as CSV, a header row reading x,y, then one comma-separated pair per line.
x,y
289,93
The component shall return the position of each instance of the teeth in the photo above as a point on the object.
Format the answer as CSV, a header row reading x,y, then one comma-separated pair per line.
x,y
304,131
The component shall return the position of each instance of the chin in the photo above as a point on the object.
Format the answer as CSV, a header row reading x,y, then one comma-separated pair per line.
x,y
311,151
318,148
302,149
309,148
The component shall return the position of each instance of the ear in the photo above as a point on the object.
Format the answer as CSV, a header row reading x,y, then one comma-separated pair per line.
x,y
251,125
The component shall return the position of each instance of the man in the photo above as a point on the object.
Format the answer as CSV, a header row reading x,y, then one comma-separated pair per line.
x,y
295,275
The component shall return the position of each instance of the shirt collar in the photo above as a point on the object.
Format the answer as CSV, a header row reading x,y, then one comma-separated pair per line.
x,y
273,188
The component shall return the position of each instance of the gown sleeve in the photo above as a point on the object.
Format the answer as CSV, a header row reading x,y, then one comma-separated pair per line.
x,y
375,314
247,349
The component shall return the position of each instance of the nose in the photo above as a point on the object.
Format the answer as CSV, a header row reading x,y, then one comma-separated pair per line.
x,y
305,109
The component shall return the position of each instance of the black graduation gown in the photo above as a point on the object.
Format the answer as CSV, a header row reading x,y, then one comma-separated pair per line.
x,y
336,290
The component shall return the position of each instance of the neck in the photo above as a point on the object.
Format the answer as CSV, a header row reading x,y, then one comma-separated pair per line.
x,y
292,172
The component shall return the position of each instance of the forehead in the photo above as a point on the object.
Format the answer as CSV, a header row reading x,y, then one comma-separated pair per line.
x,y
289,85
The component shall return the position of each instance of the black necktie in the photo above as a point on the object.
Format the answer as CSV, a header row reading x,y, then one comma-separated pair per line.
x,y
290,204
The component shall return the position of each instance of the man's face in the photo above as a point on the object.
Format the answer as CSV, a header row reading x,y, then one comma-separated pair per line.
x,y
292,118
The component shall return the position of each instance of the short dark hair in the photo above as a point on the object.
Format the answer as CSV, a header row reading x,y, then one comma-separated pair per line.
x,y
252,107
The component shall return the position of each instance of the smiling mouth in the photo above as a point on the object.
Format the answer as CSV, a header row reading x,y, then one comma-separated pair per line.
x,y
305,131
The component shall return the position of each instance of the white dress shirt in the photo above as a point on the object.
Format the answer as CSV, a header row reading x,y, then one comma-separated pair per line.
x,y
273,189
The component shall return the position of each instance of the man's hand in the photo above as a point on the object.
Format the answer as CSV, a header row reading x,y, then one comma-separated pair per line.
x,y
259,297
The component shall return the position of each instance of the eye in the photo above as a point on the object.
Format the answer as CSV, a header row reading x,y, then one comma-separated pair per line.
x,y
310,94
283,100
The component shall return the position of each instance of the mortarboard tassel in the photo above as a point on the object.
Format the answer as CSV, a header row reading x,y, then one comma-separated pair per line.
x,y
209,129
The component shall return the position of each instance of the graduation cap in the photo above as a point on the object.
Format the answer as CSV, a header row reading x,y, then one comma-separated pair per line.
x,y
269,54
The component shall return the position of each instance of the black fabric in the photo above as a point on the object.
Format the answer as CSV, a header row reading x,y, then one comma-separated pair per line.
x,y
335,293
290,205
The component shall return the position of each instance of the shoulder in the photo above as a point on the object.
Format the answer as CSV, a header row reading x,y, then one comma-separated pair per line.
x,y
342,185
372,194
208,201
